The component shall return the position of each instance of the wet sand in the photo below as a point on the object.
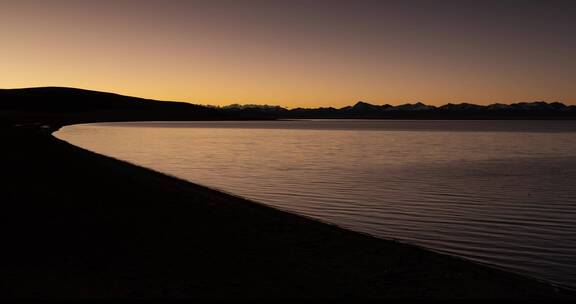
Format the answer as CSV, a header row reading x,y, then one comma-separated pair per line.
x,y
78,225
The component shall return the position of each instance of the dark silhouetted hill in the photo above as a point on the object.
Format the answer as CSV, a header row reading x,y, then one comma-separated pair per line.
x,y
57,99
59,106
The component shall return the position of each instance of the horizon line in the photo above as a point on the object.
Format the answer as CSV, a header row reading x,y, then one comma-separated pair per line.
x,y
416,102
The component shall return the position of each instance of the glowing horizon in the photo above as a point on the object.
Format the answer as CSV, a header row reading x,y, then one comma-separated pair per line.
x,y
297,53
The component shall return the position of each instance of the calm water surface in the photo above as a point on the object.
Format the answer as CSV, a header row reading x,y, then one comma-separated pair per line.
x,y
499,192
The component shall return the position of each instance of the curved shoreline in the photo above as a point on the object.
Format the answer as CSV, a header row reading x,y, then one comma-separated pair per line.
x,y
129,232
481,262
421,247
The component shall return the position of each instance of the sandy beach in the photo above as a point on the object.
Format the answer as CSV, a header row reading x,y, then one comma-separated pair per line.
x,y
81,225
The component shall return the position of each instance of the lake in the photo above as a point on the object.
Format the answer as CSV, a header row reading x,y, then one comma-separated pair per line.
x,y
497,192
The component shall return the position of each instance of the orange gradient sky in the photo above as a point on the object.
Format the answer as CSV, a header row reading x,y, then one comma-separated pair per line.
x,y
295,53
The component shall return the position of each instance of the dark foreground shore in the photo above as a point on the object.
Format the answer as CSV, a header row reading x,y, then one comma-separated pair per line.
x,y
80,225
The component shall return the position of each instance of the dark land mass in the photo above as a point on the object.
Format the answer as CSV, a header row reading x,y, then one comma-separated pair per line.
x,y
54,105
60,106
363,110
78,225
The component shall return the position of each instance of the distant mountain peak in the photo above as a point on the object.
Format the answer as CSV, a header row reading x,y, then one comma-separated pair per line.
x,y
418,106
362,104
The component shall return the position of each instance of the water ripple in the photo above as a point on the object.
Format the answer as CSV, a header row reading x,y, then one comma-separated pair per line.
x,y
499,193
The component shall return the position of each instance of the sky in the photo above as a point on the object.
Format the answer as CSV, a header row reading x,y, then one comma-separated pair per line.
x,y
295,53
